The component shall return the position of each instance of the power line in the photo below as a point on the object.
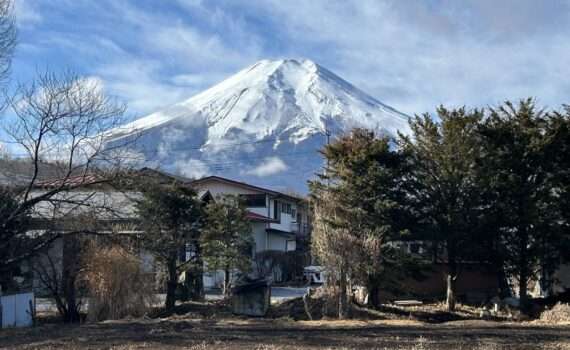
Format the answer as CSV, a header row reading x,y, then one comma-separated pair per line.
x,y
219,145
218,162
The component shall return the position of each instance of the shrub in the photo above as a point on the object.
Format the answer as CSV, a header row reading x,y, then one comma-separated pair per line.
x,y
117,284
559,313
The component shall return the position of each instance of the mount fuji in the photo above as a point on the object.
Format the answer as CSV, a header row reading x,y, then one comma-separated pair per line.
x,y
263,125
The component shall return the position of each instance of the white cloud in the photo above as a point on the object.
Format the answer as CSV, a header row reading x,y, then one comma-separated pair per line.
x,y
416,55
269,166
189,79
138,83
26,13
191,168
411,55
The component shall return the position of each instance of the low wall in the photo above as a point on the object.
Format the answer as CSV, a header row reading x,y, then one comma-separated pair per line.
x,y
475,283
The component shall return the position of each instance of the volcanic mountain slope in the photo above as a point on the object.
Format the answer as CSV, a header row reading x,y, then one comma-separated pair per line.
x,y
262,125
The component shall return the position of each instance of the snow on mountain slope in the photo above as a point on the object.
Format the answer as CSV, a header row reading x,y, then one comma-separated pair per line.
x,y
262,125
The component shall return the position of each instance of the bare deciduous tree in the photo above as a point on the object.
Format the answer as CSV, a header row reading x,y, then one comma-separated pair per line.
x,y
58,272
334,247
61,123
7,38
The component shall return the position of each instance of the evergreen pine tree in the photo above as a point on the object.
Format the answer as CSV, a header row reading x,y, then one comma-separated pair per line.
x,y
171,218
360,201
227,240
445,186
526,163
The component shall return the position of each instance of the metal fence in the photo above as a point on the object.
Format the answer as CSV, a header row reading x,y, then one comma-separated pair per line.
x,y
17,310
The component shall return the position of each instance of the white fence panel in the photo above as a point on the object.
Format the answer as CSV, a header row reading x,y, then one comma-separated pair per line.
x,y
17,310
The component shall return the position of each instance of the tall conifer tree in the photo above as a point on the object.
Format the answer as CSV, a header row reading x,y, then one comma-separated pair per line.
x,y
445,187
360,205
525,161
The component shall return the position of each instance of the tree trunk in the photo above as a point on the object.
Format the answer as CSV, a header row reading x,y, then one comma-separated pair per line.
x,y
373,292
503,283
374,297
227,281
451,277
171,283
193,285
342,297
523,289
523,292
186,286
197,292
450,300
70,269
523,270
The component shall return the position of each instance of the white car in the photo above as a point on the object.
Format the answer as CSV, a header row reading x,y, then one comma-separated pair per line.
x,y
315,274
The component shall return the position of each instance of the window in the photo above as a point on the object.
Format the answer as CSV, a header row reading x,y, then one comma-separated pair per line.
x,y
290,245
286,208
277,210
253,200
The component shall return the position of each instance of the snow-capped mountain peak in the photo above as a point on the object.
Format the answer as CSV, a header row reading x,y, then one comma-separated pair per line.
x,y
258,115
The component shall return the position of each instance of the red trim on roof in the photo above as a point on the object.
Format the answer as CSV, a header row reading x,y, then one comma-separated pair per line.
x,y
258,217
73,181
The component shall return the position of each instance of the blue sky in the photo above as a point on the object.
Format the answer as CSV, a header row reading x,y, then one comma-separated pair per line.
x,y
412,55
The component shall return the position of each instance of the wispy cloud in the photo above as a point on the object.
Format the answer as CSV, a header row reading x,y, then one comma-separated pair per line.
x,y
269,166
411,55
27,14
191,168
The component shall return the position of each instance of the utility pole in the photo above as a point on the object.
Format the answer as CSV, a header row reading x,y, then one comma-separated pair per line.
x,y
328,135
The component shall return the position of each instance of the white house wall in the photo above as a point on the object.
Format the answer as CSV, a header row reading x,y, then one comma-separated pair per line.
x,y
218,188
276,242
260,236
286,222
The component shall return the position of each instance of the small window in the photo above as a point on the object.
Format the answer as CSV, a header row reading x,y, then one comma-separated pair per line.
x,y
290,245
277,210
286,208
253,200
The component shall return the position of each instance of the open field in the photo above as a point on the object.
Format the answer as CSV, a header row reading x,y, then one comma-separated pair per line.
x,y
181,333
278,295
211,325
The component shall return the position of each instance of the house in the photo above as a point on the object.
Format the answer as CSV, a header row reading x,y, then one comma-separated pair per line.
x,y
278,220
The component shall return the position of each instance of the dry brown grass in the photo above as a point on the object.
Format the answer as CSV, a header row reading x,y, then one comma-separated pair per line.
x,y
560,313
264,334
117,284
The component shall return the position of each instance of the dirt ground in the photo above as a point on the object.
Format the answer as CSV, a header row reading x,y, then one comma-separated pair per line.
x,y
211,325
266,334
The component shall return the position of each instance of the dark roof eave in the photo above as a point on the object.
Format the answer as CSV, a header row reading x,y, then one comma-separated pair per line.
x,y
245,185
279,232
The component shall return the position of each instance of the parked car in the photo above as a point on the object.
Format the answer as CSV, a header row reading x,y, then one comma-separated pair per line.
x,y
314,274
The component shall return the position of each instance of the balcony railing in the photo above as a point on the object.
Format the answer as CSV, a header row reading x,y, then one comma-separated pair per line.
x,y
300,229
